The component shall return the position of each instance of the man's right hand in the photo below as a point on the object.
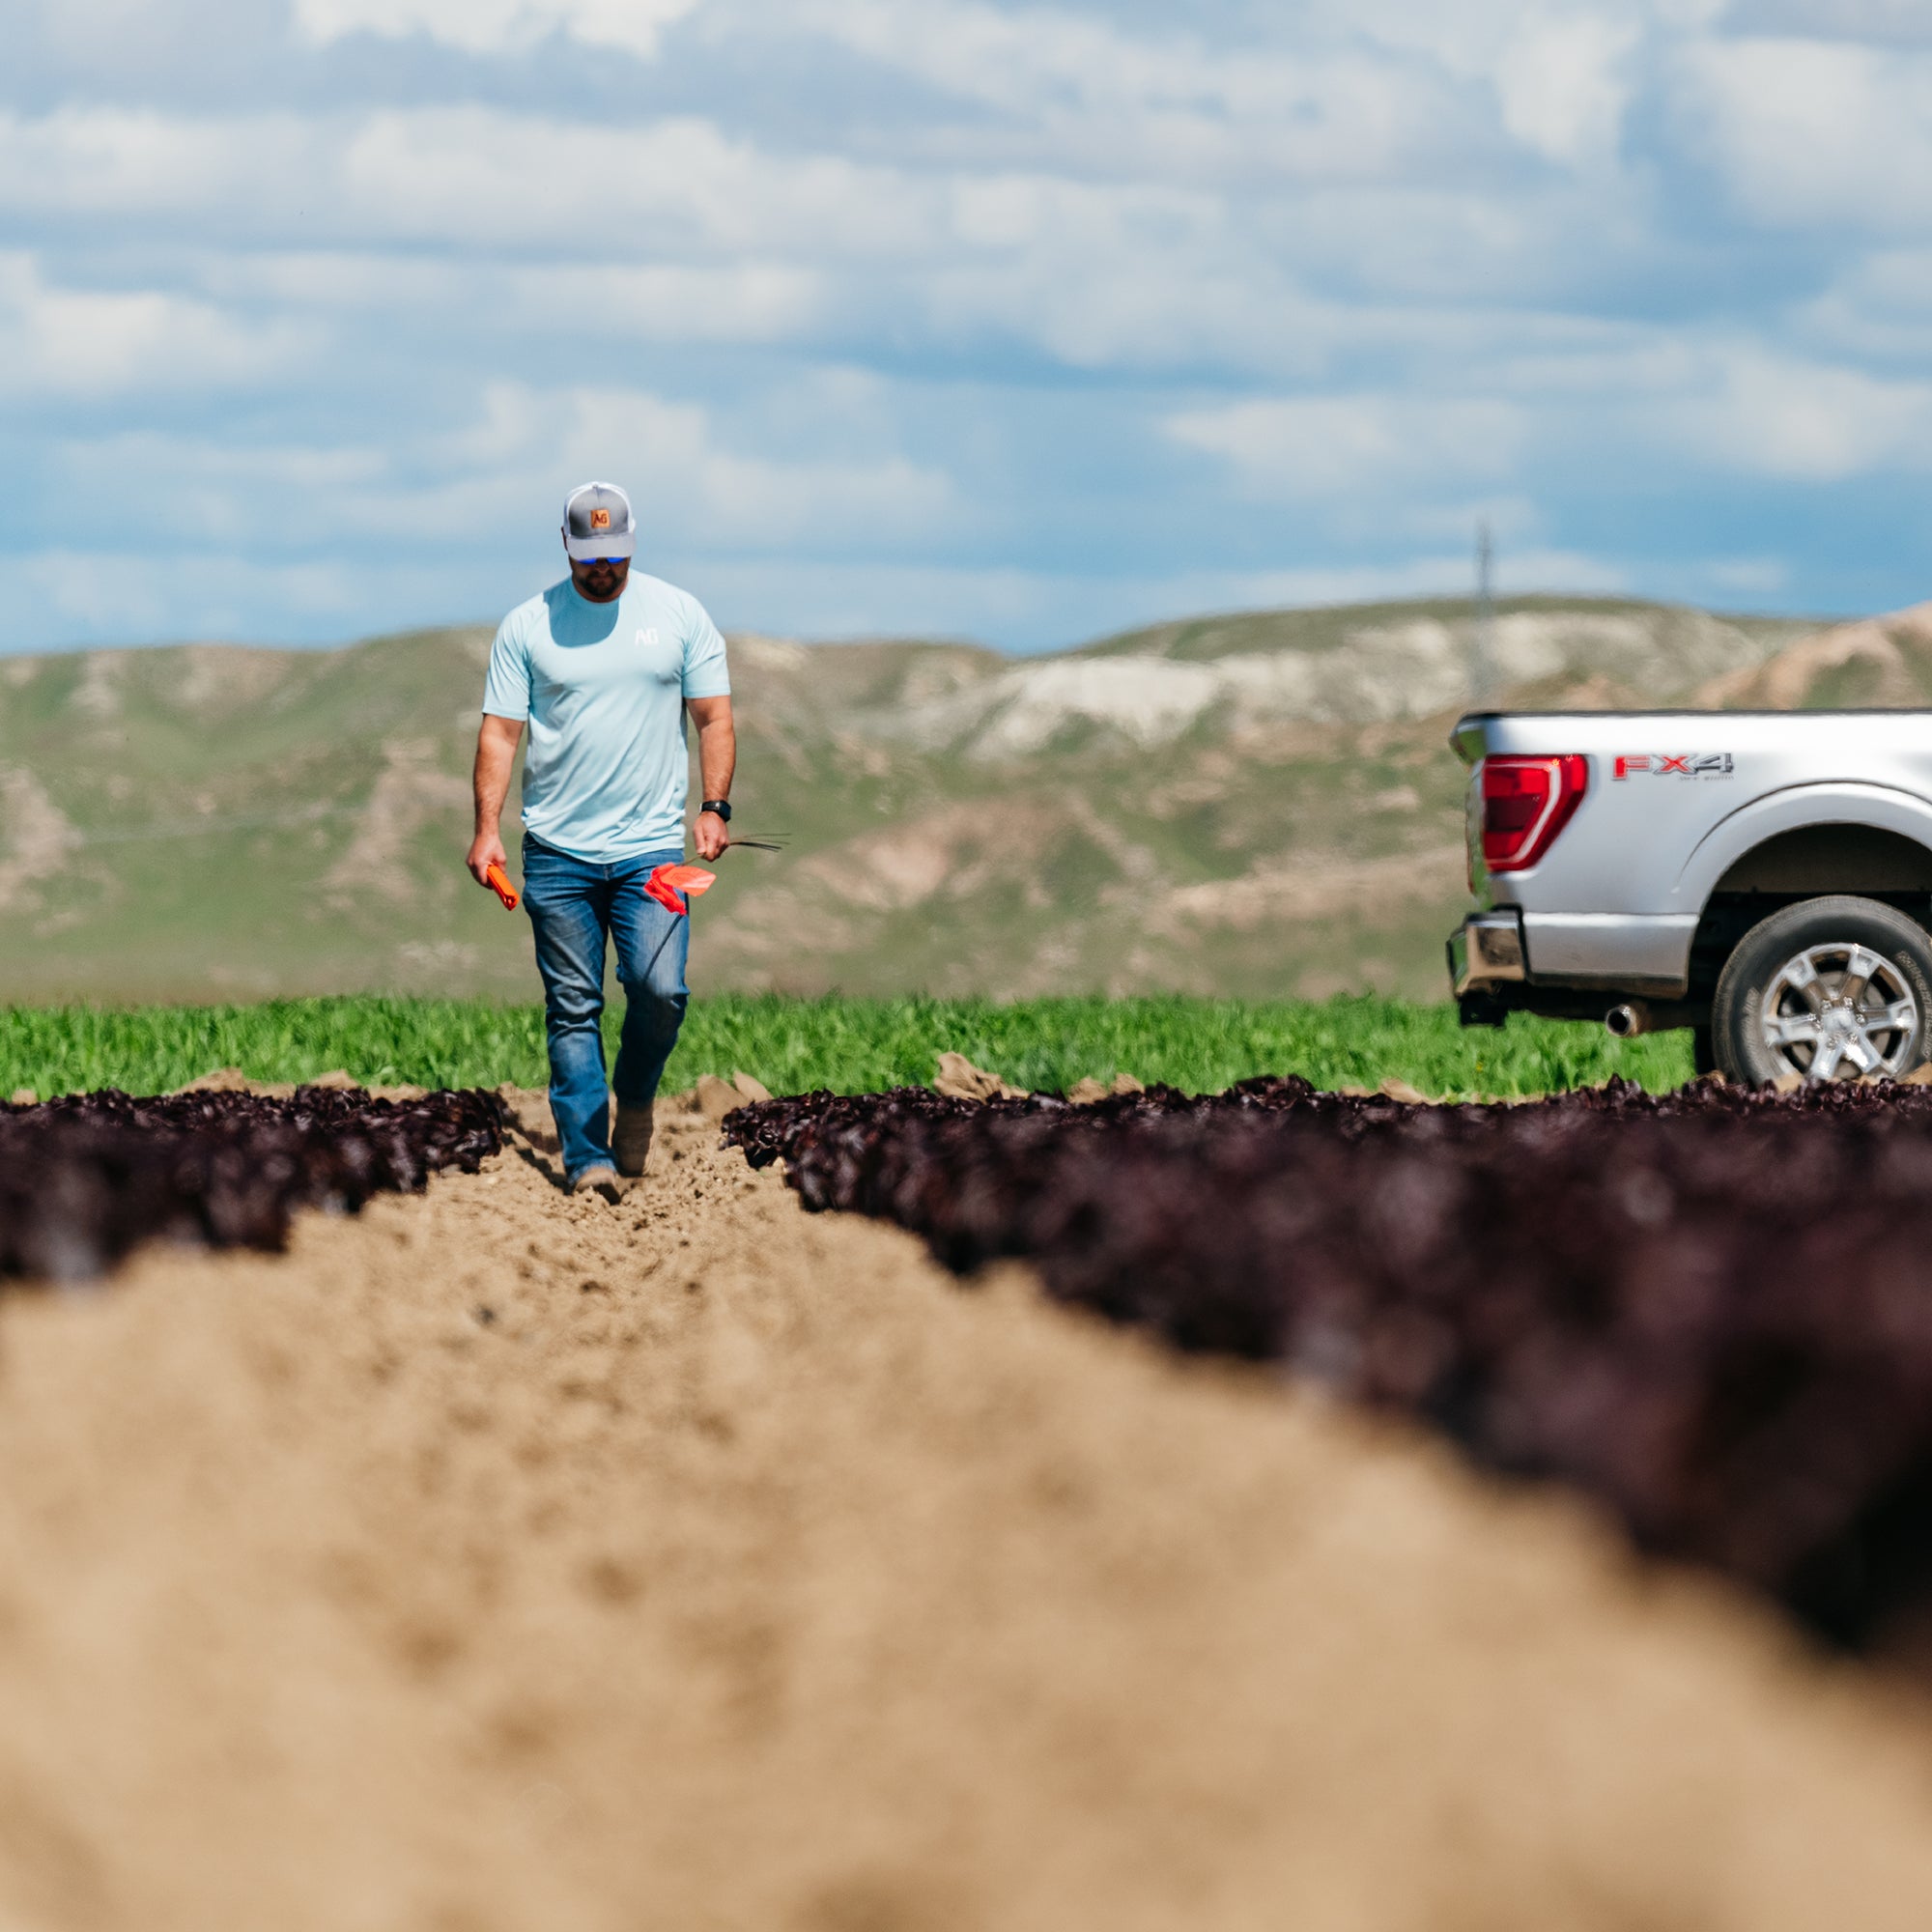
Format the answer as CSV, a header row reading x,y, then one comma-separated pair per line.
x,y
486,849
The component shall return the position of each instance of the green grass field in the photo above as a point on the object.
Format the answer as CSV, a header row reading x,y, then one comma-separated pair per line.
x,y
850,1045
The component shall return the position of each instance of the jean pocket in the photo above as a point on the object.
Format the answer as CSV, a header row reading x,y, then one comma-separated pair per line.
x,y
550,875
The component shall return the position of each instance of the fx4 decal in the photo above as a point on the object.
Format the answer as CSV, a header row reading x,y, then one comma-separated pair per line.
x,y
1681,765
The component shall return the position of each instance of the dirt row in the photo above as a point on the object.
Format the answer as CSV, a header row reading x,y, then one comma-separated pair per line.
x,y
1706,1310
499,1559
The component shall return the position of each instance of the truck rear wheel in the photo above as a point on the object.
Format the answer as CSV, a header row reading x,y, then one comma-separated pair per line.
x,y
1829,990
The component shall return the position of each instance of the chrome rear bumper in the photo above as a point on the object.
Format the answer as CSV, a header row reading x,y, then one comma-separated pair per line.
x,y
1484,951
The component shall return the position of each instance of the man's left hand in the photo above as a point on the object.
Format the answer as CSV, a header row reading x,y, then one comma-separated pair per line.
x,y
712,835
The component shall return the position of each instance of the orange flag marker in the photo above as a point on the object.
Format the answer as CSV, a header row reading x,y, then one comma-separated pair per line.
x,y
667,882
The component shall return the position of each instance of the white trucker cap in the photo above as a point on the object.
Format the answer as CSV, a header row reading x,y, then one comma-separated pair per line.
x,y
597,522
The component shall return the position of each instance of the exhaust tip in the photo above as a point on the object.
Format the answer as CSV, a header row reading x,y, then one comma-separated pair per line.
x,y
1629,1020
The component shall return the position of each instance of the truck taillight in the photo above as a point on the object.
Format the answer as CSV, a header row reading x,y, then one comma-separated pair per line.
x,y
1527,802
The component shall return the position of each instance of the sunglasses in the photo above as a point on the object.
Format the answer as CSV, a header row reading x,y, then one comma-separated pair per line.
x,y
591,562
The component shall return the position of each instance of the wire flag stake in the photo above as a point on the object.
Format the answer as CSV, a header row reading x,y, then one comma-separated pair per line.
x,y
666,884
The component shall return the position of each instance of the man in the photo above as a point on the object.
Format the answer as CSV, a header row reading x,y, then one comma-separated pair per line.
x,y
603,666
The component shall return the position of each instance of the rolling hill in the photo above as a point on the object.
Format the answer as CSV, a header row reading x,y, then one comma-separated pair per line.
x,y
1252,803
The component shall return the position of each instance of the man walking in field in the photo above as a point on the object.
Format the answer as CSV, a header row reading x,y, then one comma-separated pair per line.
x,y
603,666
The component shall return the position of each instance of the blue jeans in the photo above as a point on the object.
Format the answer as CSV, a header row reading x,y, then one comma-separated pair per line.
x,y
575,906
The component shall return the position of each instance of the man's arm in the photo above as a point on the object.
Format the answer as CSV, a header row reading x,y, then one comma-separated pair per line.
x,y
717,760
495,754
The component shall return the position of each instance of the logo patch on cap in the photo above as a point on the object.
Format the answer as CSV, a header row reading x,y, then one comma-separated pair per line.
x,y
600,519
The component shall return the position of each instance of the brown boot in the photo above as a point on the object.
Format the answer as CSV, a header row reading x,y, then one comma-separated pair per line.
x,y
631,1138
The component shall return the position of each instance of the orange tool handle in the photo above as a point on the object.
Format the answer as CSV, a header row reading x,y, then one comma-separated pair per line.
x,y
500,884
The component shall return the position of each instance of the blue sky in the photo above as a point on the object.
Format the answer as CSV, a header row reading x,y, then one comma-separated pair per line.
x,y
939,316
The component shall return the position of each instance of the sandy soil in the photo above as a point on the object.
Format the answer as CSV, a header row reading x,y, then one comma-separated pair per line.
x,y
501,1560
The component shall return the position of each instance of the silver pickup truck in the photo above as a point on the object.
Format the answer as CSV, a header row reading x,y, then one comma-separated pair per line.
x,y
1764,878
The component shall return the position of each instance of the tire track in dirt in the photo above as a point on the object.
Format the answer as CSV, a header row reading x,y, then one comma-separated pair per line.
x,y
496,1560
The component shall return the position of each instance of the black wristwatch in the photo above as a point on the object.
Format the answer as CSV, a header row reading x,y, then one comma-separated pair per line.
x,y
720,806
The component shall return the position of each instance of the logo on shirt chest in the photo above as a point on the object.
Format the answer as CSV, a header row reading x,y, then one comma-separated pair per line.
x,y
656,657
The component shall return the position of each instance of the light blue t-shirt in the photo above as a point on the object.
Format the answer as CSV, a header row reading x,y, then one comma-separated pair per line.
x,y
603,687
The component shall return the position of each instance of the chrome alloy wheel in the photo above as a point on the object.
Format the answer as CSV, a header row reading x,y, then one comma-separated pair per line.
x,y
1833,1012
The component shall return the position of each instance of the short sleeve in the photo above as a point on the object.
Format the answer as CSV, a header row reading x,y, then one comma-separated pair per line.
x,y
506,691
705,671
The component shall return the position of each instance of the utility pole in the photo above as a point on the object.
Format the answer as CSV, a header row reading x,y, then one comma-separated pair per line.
x,y
1483,647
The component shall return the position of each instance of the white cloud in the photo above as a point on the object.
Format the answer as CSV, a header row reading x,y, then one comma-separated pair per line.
x,y
745,300
207,494
454,176
129,596
82,343
481,176
1563,83
705,237
1879,307
1711,406
914,287
496,26
686,476
1902,21
1777,416
1091,95
748,300
129,162
693,482
1807,133
1326,448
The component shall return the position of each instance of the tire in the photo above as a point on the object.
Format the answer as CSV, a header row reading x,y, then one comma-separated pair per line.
x,y
1829,990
